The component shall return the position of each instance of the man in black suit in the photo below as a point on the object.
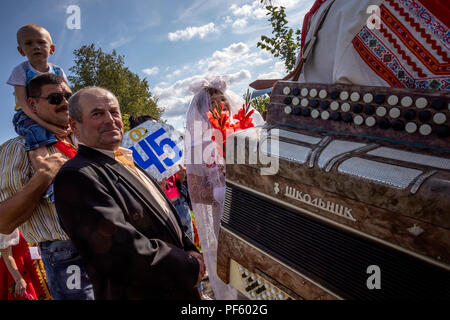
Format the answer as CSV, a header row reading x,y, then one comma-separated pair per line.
x,y
119,219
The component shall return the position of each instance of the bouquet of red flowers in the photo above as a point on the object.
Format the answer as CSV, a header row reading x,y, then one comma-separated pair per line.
x,y
220,120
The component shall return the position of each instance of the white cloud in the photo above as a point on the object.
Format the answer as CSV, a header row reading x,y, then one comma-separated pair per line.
x,y
191,32
240,23
270,75
151,71
222,59
120,42
278,71
239,77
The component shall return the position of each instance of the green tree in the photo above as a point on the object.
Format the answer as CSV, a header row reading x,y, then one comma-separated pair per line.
x,y
93,67
285,42
261,103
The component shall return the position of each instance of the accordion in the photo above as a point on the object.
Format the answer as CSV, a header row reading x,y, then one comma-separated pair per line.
x,y
358,204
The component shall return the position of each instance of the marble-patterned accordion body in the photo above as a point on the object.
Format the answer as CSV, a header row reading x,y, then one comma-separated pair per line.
x,y
359,207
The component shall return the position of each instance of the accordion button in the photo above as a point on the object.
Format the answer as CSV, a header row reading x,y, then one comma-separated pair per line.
x,y
425,129
371,121
345,107
384,123
314,103
369,109
411,127
287,110
336,116
304,102
306,112
313,93
439,118
380,98
392,100
438,104
295,101
304,92
315,114
357,108
398,125
368,98
424,116
334,105
358,120
286,91
409,114
355,96
296,111
296,91
325,115
443,131
344,95
334,95
394,113
381,111
406,101
287,100
324,105
421,103
347,118
323,94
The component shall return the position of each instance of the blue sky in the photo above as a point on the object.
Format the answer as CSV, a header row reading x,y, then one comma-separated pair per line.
x,y
169,42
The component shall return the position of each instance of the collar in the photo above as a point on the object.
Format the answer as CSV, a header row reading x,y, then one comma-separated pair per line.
x,y
126,152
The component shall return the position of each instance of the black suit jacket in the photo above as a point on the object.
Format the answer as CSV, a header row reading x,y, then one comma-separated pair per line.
x,y
130,247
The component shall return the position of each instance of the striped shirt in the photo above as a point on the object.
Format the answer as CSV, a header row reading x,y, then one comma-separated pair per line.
x,y
15,172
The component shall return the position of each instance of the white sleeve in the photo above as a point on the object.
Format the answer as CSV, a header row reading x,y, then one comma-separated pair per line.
x,y
18,77
8,240
63,74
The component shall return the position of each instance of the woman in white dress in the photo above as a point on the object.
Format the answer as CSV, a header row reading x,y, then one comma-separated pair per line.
x,y
205,170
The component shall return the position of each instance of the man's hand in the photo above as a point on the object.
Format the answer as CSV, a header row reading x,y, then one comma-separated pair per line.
x,y
48,165
201,263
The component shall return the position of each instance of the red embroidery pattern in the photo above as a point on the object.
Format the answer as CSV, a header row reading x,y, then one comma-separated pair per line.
x,y
388,66
430,14
380,69
402,52
418,29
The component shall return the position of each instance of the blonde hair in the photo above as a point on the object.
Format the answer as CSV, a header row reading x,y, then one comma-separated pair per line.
x,y
32,27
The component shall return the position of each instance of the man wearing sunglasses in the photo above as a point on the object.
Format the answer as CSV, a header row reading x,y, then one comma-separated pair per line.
x,y
23,184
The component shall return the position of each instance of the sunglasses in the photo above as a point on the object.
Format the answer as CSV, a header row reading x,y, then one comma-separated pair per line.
x,y
56,98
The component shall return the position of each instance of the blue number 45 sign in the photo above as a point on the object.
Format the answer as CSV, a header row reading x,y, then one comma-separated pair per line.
x,y
156,150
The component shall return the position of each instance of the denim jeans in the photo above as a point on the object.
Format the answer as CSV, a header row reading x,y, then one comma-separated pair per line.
x,y
185,217
66,276
35,136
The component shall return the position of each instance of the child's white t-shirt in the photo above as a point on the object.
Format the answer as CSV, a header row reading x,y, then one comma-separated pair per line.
x,y
24,72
